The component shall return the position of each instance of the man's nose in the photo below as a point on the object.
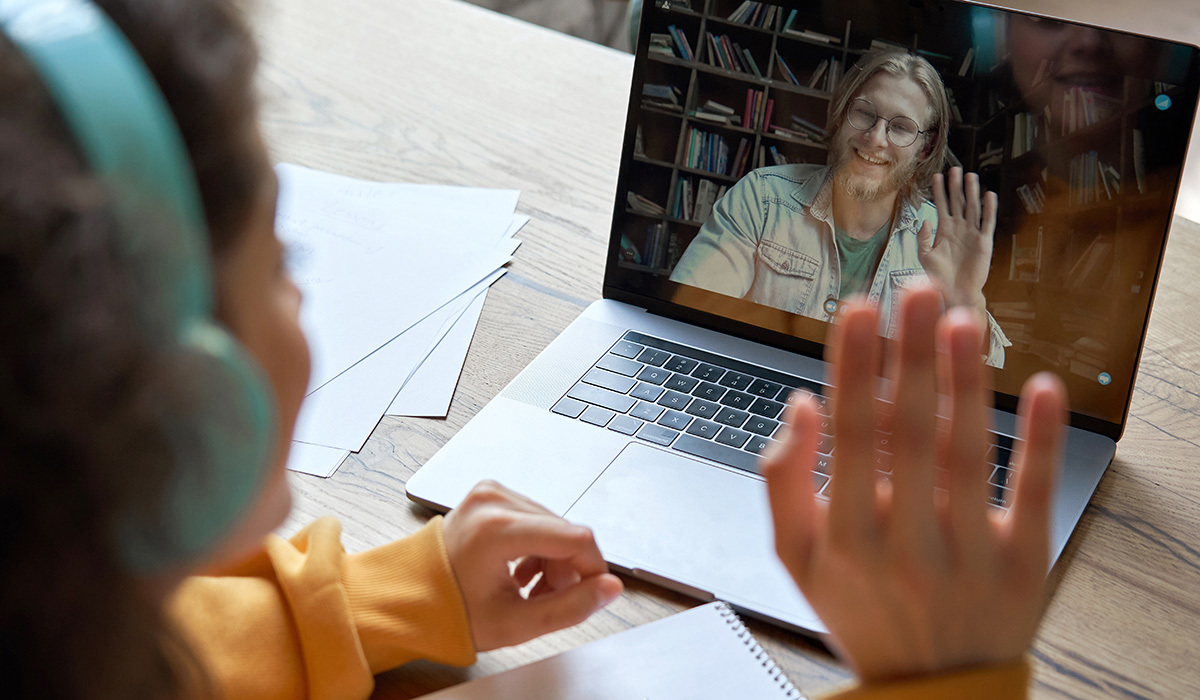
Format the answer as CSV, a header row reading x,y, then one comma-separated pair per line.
x,y
877,134
1088,41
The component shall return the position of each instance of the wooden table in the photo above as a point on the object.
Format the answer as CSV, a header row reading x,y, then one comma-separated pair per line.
x,y
445,92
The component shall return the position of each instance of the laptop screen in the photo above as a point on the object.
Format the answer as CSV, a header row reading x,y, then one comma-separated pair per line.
x,y
778,160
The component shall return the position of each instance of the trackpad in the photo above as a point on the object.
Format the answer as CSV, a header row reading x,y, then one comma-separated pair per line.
x,y
706,527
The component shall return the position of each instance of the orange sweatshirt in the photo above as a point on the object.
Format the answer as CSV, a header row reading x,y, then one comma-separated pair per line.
x,y
303,619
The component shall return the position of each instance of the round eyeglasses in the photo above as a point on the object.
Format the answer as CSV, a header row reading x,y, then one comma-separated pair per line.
x,y
901,131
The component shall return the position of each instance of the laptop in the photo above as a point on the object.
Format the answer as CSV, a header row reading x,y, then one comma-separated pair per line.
x,y
645,417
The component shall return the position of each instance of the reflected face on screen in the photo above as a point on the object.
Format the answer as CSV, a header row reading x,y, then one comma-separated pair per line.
x,y
866,164
1050,58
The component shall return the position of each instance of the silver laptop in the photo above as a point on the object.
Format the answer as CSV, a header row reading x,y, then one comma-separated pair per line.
x,y
645,417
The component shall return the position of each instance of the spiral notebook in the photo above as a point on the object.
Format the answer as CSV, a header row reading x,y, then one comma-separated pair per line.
x,y
702,653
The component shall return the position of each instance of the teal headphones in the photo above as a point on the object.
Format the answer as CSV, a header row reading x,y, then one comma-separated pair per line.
x,y
124,128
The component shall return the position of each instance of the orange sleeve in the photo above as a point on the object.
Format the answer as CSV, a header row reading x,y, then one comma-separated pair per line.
x,y
301,618
1006,682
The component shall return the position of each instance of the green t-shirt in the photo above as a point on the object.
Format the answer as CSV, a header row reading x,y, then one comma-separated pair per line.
x,y
859,260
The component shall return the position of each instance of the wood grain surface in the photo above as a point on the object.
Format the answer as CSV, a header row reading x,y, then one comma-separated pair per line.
x,y
445,92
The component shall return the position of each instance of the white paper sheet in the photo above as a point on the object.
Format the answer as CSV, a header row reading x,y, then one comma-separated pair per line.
x,y
427,394
317,460
343,412
429,391
372,259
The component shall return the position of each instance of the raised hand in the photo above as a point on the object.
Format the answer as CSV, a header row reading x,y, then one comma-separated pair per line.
x,y
494,526
915,574
959,257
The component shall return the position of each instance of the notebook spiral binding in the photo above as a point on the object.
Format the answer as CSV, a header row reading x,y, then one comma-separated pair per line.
x,y
791,692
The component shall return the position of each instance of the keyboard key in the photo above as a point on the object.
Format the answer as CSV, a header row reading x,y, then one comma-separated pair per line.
x,y
625,425
620,365
613,382
738,400
883,441
704,409
601,397
758,443
733,417
683,365
819,481
1001,477
569,407
654,357
647,392
707,372
736,380
767,408
824,464
739,459
999,496
681,382
657,434
761,426
708,391
703,428
624,348
647,411
765,389
824,444
675,400
999,456
653,375
675,420
733,437
597,416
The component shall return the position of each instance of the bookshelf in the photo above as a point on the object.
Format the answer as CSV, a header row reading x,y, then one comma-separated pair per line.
x,y
729,86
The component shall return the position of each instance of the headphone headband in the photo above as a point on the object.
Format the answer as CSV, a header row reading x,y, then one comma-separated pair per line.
x,y
125,130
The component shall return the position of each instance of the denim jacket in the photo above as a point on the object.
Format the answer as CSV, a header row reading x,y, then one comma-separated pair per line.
x,y
770,240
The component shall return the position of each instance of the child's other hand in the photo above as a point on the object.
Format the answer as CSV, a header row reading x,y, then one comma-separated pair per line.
x,y
914,575
494,526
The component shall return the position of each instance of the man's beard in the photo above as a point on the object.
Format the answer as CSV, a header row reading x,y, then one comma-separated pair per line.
x,y
867,189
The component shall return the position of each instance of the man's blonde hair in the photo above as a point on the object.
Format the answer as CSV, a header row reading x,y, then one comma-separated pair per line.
x,y
934,151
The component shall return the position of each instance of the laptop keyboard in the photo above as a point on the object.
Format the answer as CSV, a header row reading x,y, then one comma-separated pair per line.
x,y
714,407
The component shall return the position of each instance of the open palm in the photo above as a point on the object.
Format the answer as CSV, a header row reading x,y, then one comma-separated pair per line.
x,y
959,257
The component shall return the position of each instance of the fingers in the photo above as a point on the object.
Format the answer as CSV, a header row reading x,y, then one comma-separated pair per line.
x,y
966,444
790,487
914,420
973,203
857,362
1041,416
991,206
548,537
940,201
554,610
957,198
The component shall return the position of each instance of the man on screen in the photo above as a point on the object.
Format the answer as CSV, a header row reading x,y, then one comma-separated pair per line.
x,y
802,238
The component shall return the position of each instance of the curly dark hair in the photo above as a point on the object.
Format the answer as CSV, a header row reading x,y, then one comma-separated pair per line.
x,y
85,380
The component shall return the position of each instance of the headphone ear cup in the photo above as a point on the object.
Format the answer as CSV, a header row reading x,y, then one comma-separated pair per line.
x,y
222,441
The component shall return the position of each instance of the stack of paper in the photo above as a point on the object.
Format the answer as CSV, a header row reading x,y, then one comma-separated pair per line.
x,y
394,277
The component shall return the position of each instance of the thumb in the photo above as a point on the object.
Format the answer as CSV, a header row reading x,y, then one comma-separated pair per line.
x,y
570,606
925,239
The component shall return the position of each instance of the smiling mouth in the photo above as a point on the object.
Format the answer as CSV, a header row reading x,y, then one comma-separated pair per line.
x,y
869,159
